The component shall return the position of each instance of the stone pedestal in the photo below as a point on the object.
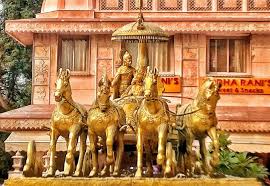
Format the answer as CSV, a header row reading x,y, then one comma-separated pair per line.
x,y
132,182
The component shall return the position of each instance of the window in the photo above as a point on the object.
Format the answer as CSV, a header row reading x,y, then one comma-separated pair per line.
x,y
74,55
228,55
160,55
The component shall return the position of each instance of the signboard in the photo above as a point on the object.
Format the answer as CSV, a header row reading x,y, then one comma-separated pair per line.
x,y
244,85
171,84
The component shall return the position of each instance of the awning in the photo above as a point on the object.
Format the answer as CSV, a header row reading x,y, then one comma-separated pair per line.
x,y
23,30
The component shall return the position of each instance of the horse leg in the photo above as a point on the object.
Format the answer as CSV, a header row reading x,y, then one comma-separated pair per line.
x,y
203,152
83,137
110,136
189,142
212,133
73,140
169,161
139,153
162,140
54,136
119,154
149,170
93,149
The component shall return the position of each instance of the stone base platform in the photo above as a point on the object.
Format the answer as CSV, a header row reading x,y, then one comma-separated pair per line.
x,y
131,182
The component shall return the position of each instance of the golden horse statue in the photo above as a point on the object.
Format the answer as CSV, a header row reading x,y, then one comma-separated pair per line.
x,y
200,124
106,120
69,121
153,120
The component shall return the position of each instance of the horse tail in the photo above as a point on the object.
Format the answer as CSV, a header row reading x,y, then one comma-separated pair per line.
x,y
180,116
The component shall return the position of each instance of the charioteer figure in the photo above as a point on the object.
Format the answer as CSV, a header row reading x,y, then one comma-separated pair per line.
x,y
123,77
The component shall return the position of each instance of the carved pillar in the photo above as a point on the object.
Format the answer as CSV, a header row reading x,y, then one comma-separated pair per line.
x,y
41,69
17,165
244,5
190,65
185,6
155,5
214,5
92,4
125,5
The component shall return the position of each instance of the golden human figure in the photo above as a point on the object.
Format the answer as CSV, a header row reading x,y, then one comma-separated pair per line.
x,y
136,87
123,77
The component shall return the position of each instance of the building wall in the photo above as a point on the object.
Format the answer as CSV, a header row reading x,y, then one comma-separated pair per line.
x,y
260,68
45,56
190,51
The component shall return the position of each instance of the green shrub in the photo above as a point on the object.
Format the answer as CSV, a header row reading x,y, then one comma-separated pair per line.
x,y
239,164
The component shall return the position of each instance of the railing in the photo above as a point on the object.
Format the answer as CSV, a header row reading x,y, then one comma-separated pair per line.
x,y
186,5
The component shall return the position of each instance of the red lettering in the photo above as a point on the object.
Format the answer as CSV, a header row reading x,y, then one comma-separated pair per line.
x,y
243,82
226,82
164,80
176,81
169,81
250,82
258,82
234,82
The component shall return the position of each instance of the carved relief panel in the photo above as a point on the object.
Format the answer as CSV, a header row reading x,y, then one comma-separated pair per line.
x,y
104,61
41,71
111,4
229,5
200,5
147,5
170,5
259,5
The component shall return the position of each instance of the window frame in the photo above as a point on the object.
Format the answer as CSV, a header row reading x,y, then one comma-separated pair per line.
x,y
171,55
230,74
88,53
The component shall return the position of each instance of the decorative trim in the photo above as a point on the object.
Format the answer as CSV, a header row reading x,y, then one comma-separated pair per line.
x,y
109,27
24,124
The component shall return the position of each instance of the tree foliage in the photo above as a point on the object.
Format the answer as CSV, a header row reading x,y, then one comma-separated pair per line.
x,y
15,66
16,62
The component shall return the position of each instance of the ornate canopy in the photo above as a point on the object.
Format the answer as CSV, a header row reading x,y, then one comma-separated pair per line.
x,y
140,32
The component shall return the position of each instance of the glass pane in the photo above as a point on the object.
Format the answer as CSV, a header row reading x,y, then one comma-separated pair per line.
x,y
213,56
160,55
222,55
237,55
67,55
80,55
218,55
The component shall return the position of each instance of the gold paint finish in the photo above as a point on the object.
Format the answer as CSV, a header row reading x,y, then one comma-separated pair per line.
x,y
200,124
68,120
33,166
133,182
153,123
123,76
107,121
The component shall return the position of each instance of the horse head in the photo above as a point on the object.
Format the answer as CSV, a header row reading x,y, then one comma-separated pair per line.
x,y
103,94
209,93
150,84
62,85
